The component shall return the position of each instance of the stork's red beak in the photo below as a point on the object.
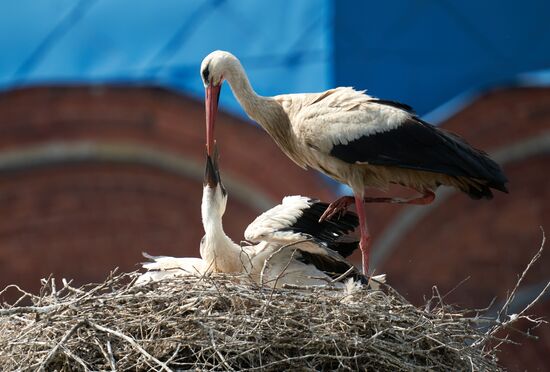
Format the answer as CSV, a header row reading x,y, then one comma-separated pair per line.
x,y
212,98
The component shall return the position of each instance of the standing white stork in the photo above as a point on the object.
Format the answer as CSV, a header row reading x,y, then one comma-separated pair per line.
x,y
357,140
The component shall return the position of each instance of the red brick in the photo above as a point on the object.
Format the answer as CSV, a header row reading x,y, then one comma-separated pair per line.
x,y
82,220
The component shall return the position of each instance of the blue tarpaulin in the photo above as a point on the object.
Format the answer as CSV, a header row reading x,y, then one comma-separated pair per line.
x,y
423,52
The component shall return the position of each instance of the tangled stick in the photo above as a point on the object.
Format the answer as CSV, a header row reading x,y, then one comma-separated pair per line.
x,y
216,322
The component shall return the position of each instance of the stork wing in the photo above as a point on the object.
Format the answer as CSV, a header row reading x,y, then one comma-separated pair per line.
x,y
318,257
164,263
356,128
297,218
163,267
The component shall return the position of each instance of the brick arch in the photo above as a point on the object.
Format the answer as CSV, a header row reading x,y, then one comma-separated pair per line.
x,y
91,176
156,118
60,153
80,220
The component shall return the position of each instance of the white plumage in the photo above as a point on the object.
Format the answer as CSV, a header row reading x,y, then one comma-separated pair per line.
x,y
163,267
337,116
290,264
273,224
292,247
289,244
356,139
285,265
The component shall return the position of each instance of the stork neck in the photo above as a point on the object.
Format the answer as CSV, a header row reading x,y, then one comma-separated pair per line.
x,y
243,91
213,226
218,250
211,217
266,111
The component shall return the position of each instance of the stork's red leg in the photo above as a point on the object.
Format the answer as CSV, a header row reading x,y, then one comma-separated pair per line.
x,y
337,207
426,198
340,205
364,243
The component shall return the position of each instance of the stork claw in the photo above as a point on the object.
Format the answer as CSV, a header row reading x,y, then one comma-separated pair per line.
x,y
328,214
337,208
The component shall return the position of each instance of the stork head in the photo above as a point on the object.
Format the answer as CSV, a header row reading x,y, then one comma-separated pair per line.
x,y
214,195
213,68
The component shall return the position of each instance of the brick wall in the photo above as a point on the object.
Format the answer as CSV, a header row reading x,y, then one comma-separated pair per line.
x,y
489,242
80,219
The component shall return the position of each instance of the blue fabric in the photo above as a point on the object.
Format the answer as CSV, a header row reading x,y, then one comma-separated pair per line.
x,y
284,44
422,53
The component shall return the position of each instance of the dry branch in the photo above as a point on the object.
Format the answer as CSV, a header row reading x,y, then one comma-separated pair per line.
x,y
219,323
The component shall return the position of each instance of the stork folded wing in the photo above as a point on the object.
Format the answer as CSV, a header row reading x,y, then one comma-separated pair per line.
x,y
297,218
308,259
417,145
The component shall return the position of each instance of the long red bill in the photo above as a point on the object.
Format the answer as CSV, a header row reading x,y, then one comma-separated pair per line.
x,y
212,98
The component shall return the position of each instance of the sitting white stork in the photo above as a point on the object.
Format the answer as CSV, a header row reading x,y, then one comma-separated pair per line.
x,y
293,247
219,253
357,140
289,244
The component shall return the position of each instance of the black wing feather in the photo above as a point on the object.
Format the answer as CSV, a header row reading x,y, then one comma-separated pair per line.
x,y
415,144
328,231
345,249
399,105
329,266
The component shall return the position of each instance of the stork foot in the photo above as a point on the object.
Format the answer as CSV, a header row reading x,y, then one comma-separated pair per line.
x,y
426,198
337,208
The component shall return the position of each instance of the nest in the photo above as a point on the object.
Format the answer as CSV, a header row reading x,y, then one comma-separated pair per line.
x,y
215,323
218,323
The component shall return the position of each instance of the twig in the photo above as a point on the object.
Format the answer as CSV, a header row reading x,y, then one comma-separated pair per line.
x,y
20,299
222,358
132,342
59,344
512,295
500,324
348,271
35,309
324,287
78,359
108,354
111,358
266,262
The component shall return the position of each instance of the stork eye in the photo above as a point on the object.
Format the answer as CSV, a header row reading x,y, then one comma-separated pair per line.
x,y
206,73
